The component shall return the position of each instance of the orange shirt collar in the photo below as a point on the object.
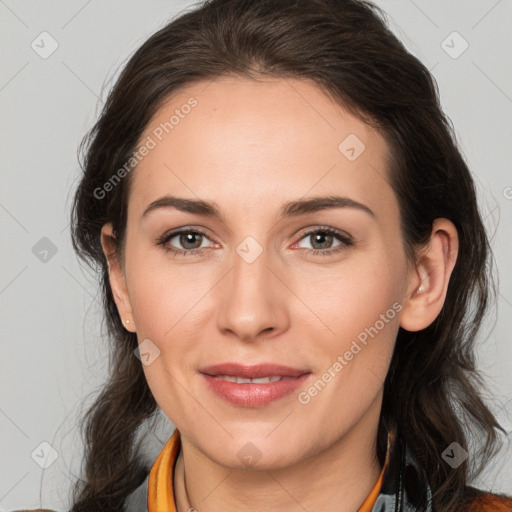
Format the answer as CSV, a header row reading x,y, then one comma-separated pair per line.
x,y
160,486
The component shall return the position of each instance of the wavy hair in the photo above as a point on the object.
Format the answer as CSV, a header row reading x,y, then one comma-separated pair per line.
x,y
433,390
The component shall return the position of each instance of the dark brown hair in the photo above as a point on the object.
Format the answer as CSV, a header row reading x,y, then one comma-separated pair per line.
x,y
432,391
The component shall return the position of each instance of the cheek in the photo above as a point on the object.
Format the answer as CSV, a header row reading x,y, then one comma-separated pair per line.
x,y
362,311
353,297
364,315
166,308
164,296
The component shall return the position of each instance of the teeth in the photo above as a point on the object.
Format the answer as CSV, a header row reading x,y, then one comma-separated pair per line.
x,y
243,380
226,377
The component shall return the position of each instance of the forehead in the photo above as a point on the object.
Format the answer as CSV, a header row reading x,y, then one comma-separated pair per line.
x,y
236,139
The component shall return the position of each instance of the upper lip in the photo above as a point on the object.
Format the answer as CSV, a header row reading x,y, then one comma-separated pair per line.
x,y
253,371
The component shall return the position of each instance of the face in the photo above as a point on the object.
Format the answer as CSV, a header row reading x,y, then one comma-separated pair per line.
x,y
316,289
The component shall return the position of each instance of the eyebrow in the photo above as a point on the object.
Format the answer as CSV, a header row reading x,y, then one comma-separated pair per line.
x,y
289,209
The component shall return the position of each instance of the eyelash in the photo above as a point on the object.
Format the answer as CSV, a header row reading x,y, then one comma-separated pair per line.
x,y
342,237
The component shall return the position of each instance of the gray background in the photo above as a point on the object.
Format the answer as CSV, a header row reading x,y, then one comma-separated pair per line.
x,y
53,349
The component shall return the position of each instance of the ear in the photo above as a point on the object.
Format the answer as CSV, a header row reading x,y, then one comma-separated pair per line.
x,y
117,277
428,281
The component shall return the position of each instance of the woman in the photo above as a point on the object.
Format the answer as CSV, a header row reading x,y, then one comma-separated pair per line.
x,y
313,345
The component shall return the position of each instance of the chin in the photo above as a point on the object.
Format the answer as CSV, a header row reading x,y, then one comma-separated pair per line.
x,y
257,452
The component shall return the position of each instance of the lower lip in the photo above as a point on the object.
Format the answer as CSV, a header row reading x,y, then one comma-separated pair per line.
x,y
253,395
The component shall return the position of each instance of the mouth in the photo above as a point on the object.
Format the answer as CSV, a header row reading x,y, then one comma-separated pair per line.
x,y
253,386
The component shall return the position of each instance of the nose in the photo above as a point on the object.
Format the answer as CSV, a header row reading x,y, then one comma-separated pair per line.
x,y
252,300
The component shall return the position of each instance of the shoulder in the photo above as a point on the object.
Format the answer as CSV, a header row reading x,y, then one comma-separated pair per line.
x,y
481,501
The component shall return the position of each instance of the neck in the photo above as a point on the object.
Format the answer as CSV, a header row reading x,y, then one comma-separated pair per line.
x,y
337,479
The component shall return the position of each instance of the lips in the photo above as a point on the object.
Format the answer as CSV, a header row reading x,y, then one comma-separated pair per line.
x,y
253,386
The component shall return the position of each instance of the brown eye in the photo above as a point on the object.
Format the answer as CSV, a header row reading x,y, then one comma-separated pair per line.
x,y
188,242
321,240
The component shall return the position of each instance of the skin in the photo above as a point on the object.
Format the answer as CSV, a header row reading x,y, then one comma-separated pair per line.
x,y
250,146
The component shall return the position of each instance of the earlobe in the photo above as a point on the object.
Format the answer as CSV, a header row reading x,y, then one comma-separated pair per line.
x,y
117,277
428,282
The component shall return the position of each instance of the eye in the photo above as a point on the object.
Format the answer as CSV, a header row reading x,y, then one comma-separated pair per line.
x,y
190,239
322,238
